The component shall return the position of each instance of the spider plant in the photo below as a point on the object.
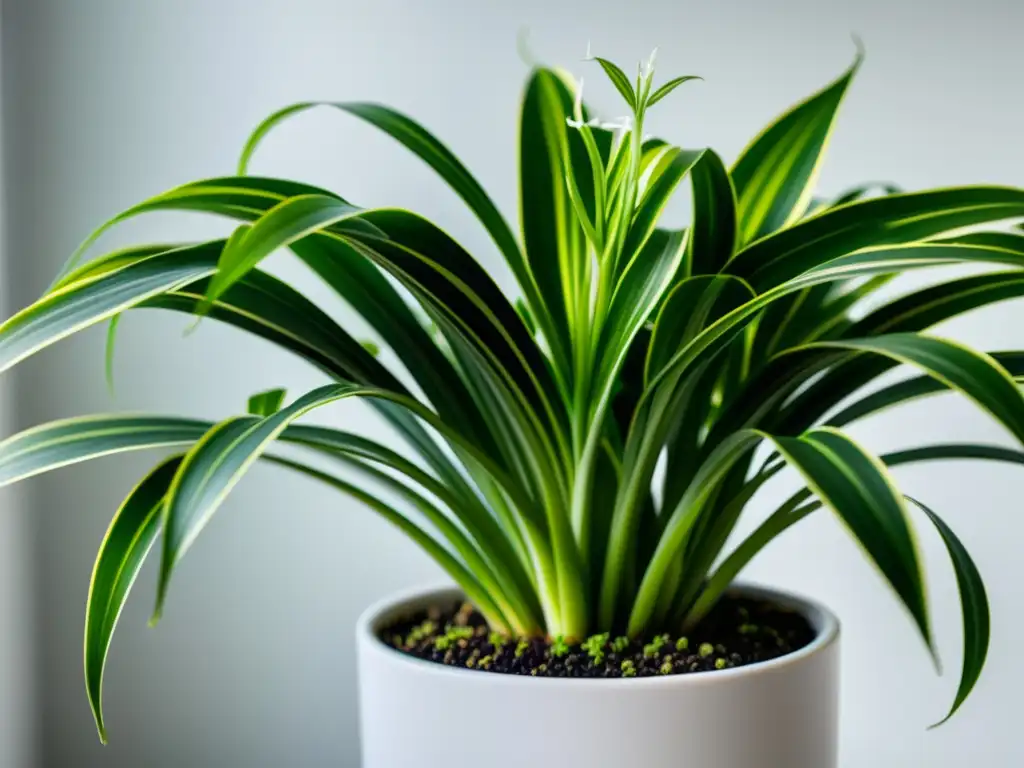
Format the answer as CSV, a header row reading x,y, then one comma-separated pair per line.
x,y
717,354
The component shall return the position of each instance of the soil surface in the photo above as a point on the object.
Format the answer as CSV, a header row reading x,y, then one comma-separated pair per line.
x,y
737,632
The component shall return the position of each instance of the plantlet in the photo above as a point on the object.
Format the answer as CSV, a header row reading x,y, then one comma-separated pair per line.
x,y
705,650
533,422
628,668
683,643
522,647
652,648
620,643
594,647
497,640
721,663
559,647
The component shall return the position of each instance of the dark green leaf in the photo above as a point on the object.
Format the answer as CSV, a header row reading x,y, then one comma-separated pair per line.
x,y
872,223
973,373
856,486
713,231
619,80
974,605
122,553
775,174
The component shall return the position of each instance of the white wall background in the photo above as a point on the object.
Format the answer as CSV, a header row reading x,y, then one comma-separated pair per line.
x,y
108,101
17,722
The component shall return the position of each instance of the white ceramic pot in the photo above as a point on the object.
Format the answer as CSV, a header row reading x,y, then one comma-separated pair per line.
x,y
776,714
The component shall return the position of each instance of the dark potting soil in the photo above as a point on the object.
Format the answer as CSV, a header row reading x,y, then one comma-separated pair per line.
x,y
738,631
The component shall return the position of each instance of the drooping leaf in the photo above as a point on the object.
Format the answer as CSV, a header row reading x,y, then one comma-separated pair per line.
x,y
874,224
425,146
69,441
127,542
973,373
857,487
910,389
974,609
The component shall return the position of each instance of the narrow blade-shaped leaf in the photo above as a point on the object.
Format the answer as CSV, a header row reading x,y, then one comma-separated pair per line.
x,y
974,609
619,80
874,223
670,169
424,145
775,175
975,374
290,220
69,441
713,231
664,90
856,486
127,542
692,305
551,236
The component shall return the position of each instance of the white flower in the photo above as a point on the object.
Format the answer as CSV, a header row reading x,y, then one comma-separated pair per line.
x,y
593,122
624,124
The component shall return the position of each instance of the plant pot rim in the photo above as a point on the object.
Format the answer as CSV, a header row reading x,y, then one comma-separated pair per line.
x,y
822,620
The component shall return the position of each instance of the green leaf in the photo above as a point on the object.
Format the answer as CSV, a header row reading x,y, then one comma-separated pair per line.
x,y
693,304
77,306
619,80
933,305
69,441
215,464
288,221
551,236
671,168
856,193
861,264
466,580
668,87
122,553
857,487
874,223
640,289
974,608
953,451
713,231
348,272
108,358
975,374
910,389
792,511
266,403
775,174
681,520
425,146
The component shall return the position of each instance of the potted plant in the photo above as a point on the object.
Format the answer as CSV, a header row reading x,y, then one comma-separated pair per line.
x,y
579,454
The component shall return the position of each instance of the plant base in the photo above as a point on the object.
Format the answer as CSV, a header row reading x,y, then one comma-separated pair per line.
x,y
780,713
738,632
